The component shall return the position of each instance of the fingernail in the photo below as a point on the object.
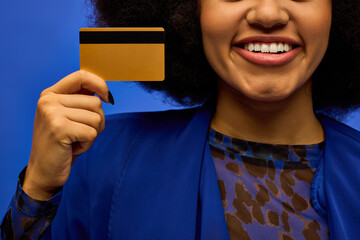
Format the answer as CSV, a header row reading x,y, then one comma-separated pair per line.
x,y
111,98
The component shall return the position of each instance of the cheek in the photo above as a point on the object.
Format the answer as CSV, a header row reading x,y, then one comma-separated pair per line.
x,y
212,24
213,34
314,25
219,20
218,30
319,28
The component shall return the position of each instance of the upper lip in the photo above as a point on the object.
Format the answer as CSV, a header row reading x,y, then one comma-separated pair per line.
x,y
267,39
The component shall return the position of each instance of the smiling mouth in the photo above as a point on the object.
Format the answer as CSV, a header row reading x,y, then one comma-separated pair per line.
x,y
268,53
274,47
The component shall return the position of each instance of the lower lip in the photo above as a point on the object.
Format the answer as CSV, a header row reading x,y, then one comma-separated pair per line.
x,y
268,59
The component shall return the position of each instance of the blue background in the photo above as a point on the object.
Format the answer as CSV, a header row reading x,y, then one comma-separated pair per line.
x,y
39,46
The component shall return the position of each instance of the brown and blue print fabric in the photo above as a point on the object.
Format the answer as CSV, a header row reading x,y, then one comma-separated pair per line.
x,y
28,218
265,189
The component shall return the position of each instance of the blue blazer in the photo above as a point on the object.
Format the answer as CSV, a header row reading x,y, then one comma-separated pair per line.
x,y
151,176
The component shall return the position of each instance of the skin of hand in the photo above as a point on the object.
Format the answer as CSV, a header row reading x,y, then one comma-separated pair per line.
x,y
67,121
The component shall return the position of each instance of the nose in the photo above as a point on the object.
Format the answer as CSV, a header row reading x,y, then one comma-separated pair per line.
x,y
267,14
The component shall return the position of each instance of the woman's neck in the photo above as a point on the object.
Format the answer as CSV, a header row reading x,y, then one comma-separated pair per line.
x,y
290,121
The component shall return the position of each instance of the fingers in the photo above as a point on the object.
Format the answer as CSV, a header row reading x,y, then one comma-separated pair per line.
x,y
54,109
93,119
90,103
79,132
81,137
79,108
80,82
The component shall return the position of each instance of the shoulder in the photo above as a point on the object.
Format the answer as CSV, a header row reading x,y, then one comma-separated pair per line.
x,y
144,120
336,129
338,175
124,131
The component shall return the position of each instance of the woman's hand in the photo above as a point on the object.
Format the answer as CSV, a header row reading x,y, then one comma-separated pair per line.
x,y
67,121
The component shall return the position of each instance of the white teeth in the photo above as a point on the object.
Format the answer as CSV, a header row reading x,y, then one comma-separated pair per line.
x,y
265,48
273,48
286,47
251,47
268,47
280,47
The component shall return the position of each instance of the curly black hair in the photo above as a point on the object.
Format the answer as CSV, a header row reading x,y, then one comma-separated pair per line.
x,y
189,78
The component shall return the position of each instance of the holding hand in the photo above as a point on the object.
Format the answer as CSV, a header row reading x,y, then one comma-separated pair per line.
x,y
67,121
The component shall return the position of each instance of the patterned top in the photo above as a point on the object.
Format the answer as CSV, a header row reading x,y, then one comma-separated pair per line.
x,y
265,189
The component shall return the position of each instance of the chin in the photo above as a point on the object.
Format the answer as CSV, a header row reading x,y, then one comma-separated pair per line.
x,y
264,95
267,97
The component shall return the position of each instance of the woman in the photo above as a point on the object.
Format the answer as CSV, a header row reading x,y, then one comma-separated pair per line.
x,y
254,162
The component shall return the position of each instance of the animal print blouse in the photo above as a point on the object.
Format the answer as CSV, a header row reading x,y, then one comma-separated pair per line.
x,y
265,189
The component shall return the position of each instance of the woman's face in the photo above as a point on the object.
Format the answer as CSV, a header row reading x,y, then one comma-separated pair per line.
x,y
265,49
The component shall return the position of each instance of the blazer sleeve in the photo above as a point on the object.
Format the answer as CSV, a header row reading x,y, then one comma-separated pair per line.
x,y
71,220
28,218
87,195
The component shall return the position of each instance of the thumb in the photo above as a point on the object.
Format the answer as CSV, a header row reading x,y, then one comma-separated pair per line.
x,y
79,148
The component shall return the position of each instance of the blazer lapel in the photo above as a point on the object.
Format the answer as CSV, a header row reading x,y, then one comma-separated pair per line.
x,y
211,218
157,195
341,179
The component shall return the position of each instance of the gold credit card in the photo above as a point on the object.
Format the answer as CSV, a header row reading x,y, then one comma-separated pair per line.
x,y
123,54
